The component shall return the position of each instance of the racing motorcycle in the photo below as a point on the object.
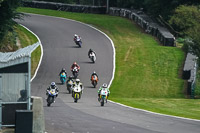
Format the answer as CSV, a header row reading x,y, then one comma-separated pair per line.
x,y
92,57
103,96
77,93
51,96
69,85
78,42
94,80
75,72
63,77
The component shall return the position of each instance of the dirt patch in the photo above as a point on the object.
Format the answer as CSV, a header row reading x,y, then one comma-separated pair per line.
x,y
128,53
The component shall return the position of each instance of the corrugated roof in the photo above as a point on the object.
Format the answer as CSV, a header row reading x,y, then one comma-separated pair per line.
x,y
23,52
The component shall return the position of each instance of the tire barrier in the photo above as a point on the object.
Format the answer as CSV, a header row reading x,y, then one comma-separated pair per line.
x,y
65,7
146,23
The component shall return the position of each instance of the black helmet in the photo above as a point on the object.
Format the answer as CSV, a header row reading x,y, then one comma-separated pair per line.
x,y
63,69
70,77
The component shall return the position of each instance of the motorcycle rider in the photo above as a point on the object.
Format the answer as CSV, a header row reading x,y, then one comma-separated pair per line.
x,y
75,65
52,86
90,51
94,74
70,78
77,37
63,70
99,91
77,83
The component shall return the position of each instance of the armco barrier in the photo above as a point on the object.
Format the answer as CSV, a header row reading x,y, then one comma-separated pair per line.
x,y
145,22
65,7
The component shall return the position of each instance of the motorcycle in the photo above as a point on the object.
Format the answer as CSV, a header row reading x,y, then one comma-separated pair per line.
x,y
103,96
92,57
78,42
69,85
77,93
94,80
63,77
51,96
75,72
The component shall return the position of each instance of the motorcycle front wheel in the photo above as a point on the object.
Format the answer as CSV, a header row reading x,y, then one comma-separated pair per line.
x,y
76,97
102,102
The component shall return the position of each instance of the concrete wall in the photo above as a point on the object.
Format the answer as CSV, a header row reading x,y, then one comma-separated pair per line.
x,y
38,115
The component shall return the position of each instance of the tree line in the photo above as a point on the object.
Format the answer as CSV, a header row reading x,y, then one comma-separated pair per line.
x,y
182,15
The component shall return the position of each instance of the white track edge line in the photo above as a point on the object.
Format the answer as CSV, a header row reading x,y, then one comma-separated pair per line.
x,y
41,56
114,71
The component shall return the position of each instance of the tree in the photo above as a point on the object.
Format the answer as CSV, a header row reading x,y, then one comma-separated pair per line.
x,y
7,14
186,20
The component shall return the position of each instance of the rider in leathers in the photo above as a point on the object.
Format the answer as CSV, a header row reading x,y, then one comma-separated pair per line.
x,y
94,73
90,51
75,65
99,91
52,86
77,83
76,37
63,70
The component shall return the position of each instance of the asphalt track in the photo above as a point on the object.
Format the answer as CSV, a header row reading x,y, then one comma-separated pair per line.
x,y
87,116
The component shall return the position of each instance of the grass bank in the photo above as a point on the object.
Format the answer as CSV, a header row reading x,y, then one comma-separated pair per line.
x,y
147,74
27,38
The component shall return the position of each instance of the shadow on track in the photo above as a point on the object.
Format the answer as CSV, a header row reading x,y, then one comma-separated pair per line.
x,y
87,62
72,46
90,87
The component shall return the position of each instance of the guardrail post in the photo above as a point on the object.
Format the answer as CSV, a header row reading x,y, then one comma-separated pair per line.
x,y
107,7
0,101
29,84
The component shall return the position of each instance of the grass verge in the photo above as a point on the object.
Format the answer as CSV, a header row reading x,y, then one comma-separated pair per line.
x,y
26,38
147,74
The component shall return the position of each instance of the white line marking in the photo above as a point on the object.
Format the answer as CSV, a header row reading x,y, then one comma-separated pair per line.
x,y
41,52
114,72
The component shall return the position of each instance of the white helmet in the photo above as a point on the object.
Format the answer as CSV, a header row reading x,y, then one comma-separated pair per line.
x,y
75,35
104,85
77,81
53,85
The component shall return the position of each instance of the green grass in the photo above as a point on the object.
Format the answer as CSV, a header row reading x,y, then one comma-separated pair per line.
x,y
27,38
147,74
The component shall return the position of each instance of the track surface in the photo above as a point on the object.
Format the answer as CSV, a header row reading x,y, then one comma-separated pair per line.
x,y
87,116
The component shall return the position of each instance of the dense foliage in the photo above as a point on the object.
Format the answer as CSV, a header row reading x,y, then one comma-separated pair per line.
x,y
186,20
154,7
7,15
